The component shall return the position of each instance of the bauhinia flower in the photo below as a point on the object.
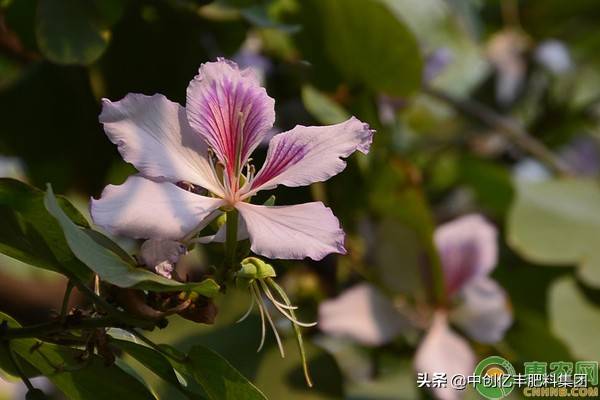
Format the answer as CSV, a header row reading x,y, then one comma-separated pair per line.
x,y
478,305
194,163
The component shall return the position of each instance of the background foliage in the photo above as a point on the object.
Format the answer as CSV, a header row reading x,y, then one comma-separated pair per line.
x,y
471,116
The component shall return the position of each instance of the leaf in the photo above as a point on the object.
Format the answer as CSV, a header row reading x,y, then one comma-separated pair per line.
x,y
369,45
154,361
75,379
29,234
73,31
321,107
282,378
110,266
557,223
574,319
219,379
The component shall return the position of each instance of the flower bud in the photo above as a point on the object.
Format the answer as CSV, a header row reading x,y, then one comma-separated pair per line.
x,y
255,268
161,255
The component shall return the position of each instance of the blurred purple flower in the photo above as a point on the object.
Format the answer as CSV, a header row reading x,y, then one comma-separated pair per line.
x,y
479,306
554,56
206,146
161,256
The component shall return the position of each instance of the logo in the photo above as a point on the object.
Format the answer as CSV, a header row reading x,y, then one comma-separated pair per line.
x,y
496,377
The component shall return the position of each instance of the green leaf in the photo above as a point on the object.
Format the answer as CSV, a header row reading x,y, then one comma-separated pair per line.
x,y
75,379
574,319
29,234
321,107
111,267
282,378
73,31
154,361
557,223
369,45
219,379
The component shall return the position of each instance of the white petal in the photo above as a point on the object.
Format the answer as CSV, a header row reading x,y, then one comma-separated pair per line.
x,y
144,209
153,134
442,350
362,313
308,154
293,232
483,313
468,249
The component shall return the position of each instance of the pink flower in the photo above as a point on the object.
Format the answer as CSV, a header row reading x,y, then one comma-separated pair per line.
x,y
469,252
205,148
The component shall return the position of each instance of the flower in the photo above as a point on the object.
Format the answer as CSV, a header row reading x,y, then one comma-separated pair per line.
x,y
194,163
468,252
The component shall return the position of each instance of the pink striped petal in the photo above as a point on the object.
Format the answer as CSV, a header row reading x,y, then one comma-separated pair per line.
x,y
468,248
442,350
292,232
144,209
153,134
362,313
311,154
231,111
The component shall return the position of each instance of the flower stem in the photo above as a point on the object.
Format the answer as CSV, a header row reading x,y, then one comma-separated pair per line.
x,y
65,303
230,244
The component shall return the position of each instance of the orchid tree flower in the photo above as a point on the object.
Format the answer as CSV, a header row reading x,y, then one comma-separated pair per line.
x,y
194,164
478,305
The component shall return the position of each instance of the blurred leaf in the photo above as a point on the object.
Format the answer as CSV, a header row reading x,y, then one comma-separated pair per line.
x,y
557,223
219,379
321,107
574,319
111,267
29,234
154,361
369,45
282,378
75,378
397,384
73,31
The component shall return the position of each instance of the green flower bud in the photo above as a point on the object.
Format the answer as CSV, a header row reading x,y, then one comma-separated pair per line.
x,y
255,268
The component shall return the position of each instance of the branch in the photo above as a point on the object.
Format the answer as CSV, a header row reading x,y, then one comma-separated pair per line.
x,y
58,326
506,126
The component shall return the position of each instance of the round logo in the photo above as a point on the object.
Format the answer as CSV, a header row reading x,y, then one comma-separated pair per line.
x,y
496,377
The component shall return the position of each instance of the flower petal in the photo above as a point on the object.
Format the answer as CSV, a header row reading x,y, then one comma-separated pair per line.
x,y
442,350
362,313
308,154
144,209
484,313
293,232
229,108
153,134
468,248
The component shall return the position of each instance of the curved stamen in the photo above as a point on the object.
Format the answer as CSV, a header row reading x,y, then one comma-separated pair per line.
x,y
279,343
262,317
248,311
282,311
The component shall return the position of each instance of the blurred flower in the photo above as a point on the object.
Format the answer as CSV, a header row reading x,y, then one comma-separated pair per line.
x,y
206,147
161,256
12,167
248,56
436,62
582,155
554,56
476,304
505,51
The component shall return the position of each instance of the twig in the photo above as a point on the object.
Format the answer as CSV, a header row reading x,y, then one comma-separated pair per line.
x,y
17,366
506,126
65,303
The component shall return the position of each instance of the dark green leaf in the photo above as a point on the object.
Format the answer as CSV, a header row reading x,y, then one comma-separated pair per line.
x,y
369,45
111,267
29,234
73,31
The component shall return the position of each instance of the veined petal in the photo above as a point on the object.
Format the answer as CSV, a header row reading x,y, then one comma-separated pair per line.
x,y
483,312
292,232
308,154
153,134
362,313
468,248
144,209
442,350
231,111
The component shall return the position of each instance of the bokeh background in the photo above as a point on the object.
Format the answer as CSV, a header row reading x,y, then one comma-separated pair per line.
x,y
487,107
